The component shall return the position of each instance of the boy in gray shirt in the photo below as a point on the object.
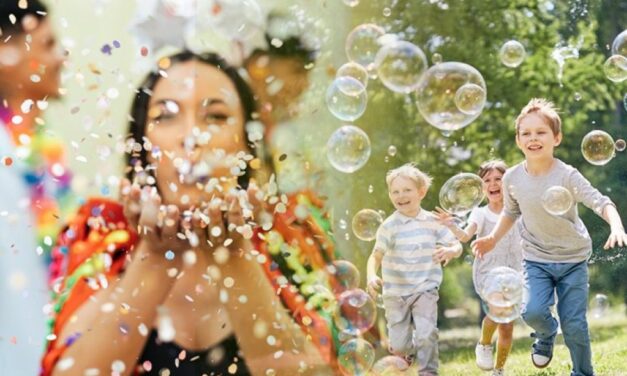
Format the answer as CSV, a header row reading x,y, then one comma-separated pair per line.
x,y
556,247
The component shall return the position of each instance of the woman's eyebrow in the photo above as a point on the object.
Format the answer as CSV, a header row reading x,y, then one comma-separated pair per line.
x,y
210,101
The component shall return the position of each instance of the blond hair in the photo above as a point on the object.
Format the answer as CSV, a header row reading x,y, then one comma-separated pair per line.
x,y
546,109
409,171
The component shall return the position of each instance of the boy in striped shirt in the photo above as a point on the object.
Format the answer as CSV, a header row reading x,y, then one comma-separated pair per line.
x,y
410,247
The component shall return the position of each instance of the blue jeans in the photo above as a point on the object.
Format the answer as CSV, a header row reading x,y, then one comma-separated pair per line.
x,y
570,282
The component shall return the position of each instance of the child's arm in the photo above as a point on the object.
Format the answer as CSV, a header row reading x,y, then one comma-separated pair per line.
x,y
617,231
374,282
446,254
463,235
585,193
485,244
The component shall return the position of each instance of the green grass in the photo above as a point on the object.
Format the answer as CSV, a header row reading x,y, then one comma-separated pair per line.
x,y
609,351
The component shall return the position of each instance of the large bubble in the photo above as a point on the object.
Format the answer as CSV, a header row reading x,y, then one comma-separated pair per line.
x,y
502,294
365,224
512,53
346,276
363,43
619,46
600,305
470,99
355,357
355,312
557,200
354,70
615,68
461,193
598,147
400,65
436,94
348,149
346,98
390,365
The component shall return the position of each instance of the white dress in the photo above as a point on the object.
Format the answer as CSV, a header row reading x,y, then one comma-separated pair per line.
x,y
507,252
23,288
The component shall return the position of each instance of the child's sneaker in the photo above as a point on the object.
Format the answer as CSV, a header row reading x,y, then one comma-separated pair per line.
x,y
485,357
541,351
498,372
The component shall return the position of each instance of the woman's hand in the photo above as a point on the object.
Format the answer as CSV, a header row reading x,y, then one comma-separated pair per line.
x,y
158,226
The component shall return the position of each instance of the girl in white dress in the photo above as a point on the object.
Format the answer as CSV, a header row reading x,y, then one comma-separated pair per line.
x,y
506,253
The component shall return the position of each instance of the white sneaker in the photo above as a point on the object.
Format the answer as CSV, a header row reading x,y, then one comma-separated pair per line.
x,y
540,361
485,358
498,372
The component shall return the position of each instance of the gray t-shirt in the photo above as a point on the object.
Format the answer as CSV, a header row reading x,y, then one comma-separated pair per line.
x,y
547,237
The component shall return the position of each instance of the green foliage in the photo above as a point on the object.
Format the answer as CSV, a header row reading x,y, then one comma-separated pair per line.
x,y
473,32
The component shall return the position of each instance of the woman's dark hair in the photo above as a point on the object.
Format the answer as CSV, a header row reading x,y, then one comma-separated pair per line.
x,y
139,107
8,7
293,46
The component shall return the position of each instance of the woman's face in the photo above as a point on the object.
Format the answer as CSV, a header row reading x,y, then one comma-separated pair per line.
x,y
195,124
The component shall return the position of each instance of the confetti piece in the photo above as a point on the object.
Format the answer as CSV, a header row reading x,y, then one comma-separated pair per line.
x,y
144,51
7,161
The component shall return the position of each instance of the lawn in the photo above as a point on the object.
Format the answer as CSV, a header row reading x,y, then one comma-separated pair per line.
x,y
609,350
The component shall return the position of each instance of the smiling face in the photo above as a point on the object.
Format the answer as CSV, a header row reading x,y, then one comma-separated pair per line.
x,y
406,196
195,119
492,185
535,137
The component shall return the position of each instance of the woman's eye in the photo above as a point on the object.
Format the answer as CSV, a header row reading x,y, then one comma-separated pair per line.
x,y
163,111
216,118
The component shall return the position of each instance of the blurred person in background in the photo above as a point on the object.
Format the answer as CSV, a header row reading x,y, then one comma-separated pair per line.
x,y
35,181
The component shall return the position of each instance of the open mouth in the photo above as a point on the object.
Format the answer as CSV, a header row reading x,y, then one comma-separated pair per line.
x,y
493,192
403,203
534,147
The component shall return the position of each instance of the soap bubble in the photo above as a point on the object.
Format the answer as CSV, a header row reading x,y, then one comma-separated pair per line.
x,y
346,276
512,54
598,147
355,312
390,365
400,65
502,292
557,200
355,71
348,149
461,193
470,99
620,145
600,305
619,46
392,150
346,98
436,94
363,43
615,68
355,357
365,224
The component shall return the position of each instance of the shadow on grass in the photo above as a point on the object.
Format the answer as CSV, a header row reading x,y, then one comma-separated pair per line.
x,y
462,349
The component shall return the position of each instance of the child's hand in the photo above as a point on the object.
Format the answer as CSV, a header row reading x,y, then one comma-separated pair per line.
x,y
444,254
482,246
444,217
617,237
374,286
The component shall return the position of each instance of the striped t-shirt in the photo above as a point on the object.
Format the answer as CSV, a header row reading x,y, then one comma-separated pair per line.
x,y
408,245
